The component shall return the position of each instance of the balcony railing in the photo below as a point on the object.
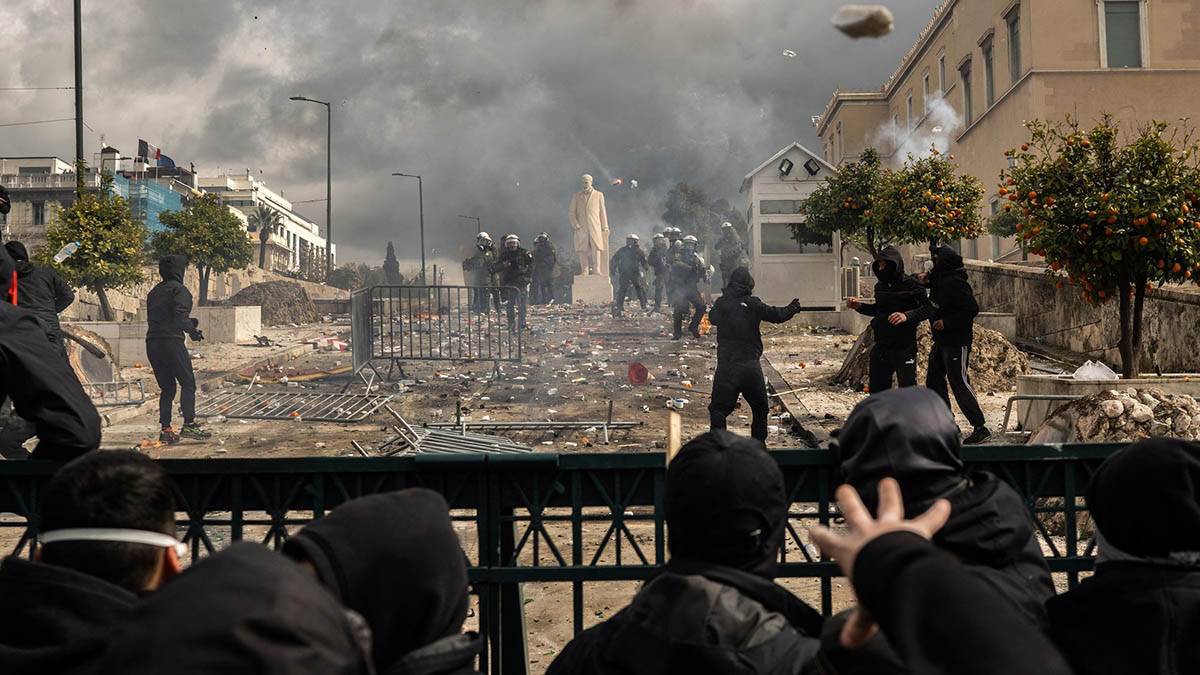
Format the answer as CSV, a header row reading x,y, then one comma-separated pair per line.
x,y
44,181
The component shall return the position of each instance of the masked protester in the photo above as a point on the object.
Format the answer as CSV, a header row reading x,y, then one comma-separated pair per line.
x,y
657,259
629,263
737,314
514,269
395,559
730,251
687,271
953,314
40,384
545,264
908,434
42,291
726,510
167,308
1140,612
900,304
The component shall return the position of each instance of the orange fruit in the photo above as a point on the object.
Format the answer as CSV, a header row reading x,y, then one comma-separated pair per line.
x,y
1144,241
1024,147
1050,201
1176,268
1032,194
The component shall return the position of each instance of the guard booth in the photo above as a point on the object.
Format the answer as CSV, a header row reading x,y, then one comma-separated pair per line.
x,y
783,267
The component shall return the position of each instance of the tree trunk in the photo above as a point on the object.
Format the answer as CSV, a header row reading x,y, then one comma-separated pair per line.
x,y
1139,305
1129,367
204,272
871,247
262,254
106,311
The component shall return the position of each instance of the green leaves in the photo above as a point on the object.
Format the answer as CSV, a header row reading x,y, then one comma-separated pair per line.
x,y
110,241
208,233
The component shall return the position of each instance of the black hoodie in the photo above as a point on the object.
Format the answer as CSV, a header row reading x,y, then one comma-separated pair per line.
x,y
55,619
952,299
169,302
737,315
41,290
908,434
42,386
895,292
395,559
244,610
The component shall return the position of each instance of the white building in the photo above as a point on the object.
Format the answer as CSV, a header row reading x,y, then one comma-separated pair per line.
x,y
783,267
295,241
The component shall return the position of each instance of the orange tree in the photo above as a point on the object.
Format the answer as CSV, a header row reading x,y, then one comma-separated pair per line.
x,y
1116,212
842,203
928,201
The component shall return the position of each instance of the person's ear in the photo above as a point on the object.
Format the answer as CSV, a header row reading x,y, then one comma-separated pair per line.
x,y
37,554
171,567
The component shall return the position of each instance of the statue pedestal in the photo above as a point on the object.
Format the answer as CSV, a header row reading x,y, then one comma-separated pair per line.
x,y
592,289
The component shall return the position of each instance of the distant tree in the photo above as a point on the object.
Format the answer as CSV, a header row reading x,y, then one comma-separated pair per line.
x,y
353,276
264,220
927,200
209,235
111,243
391,266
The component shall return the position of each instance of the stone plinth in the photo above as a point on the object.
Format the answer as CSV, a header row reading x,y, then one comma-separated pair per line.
x,y
127,339
592,289
229,324
1030,414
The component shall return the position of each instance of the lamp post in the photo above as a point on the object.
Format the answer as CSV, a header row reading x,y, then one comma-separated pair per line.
x,y
328,181
78,97
421,206
478,226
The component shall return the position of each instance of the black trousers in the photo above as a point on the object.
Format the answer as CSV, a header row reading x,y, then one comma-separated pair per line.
x,y
949,364
660,285
887,361
682,302
730,381
543,290
624,285
173,364
515,300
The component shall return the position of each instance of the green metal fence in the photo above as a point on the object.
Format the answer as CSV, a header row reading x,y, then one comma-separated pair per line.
x,y
572,518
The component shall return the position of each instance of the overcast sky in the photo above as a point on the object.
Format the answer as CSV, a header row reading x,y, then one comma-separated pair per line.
x,y
500,104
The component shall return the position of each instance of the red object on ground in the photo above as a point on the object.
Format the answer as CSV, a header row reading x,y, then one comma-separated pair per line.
x,y
638,374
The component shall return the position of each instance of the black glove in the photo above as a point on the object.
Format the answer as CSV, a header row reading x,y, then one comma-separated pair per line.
x,y
794,306
196,334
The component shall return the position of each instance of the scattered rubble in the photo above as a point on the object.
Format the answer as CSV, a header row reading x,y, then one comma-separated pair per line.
x,y
1122,416
282,302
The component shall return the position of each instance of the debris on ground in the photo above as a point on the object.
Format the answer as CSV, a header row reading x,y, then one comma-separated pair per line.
x,y
1122,416
994,365
282,302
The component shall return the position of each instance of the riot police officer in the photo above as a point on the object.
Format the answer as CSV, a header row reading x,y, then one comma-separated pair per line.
x,y
545,260
731,253
658,260
477,271
514,266
687,271
629,261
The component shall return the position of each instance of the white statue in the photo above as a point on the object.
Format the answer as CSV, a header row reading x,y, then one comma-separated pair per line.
x,y
590,222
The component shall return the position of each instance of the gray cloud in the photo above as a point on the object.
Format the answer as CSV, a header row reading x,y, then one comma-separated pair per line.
x,y
500,105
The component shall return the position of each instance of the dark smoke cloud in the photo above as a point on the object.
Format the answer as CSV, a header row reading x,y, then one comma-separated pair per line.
x,y
500,105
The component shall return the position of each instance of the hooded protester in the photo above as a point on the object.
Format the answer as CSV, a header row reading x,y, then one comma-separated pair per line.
x,y
41,290
658,261
167,320
545,265
900,304
953,314
628,265
244,610
41,385
1140,612
737,314
714,608
395,559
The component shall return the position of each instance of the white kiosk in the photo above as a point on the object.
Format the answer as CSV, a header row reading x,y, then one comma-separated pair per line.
x,y
783,267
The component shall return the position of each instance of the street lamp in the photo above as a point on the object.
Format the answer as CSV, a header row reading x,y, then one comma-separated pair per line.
x,y
328,180
478,226
421,206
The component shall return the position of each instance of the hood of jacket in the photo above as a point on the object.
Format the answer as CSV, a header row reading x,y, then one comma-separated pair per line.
x,y
172,267
16,250
741,283
889,265
236,612
395,559
989,523
907,434
55,619
947,262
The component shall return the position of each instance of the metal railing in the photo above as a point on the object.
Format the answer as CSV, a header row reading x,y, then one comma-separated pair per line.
x,y
572,518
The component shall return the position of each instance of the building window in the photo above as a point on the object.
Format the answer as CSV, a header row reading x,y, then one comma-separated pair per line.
x,y
989,74
1014,43
779,206
1122,25
778,239
39,213
942,74
925,91
964,72
908,112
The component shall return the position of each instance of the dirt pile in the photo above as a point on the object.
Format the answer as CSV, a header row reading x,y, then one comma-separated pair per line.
x,y
282,302
995,362
1121,417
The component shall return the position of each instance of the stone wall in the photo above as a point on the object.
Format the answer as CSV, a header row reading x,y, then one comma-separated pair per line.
x,y
128,304
1060,318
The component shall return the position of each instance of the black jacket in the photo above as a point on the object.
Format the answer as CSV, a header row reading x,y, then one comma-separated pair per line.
x,y
941,619
514,268
908,434
478,268
731,253
895,292
1130,619
245,610
169,302
696,618
42,386
56,620
629,261
40,289
951,299
545,259
737,315
687,270
659,260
